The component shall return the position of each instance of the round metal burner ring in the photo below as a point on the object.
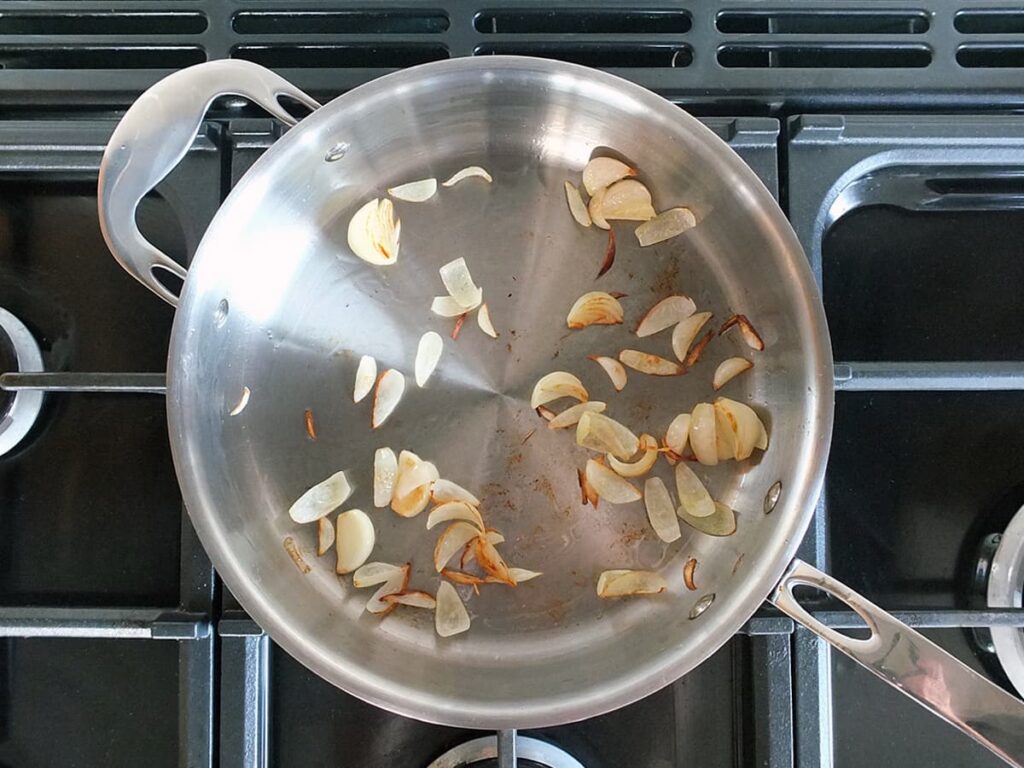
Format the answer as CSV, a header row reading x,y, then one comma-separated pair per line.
x,y
23,408
1005,587
486,748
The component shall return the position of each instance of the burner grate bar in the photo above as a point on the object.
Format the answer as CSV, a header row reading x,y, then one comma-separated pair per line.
x,y
145,623
151,383
770,623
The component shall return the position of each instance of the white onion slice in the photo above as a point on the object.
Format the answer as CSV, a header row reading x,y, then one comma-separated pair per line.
x,y
694,498
685,332
666,313
366,375
483,319
390,388
324,535
557,385
594,208
354,539
373,233
385,470
456,278
428,353
577,207
609,486
600,433
412,503
722,522
750,431
322,499
665,226
454,538
519,575
469,554
415,191
491,562
242,402
468,173
603,172
726,432
627,200
728,370
645,362
622,583
750,335
372,574
661,512
678,433
616,372
571,415
455,510
445,490
413,472
413,598
397,583
450,617
702,434
463,578
446,306
649,445
594,308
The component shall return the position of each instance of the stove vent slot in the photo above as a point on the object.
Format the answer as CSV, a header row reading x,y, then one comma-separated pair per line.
x,y
583,22
825,56
597,54
822,22
990,22
106,57
994,55
102,23
340,55
392,22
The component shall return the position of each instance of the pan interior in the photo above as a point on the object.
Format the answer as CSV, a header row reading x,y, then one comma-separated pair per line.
x,y
277,303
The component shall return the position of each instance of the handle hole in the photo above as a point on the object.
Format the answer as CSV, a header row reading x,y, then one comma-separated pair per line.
x,y
823,603
293,107
167,279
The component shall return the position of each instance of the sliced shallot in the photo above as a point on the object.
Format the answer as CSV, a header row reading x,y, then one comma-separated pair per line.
x,y
722,522
366,375
483,319
685,332
640,467
445,490
603,172
594,209
703,440
577,207
373,233
322,499
728,370
622,583
450,617
594,308
324,535
385,469
694,498
242,402
661,512
747,330
415,191
601,433
354,539
678,433
390,388
615,370
648,363
666,313
750,431
665,226
571,415
627,199
413,598
468,173
454,538
455,510
609,486
557,385
428,353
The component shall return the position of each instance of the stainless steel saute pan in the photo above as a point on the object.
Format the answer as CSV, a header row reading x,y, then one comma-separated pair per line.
x,y
275,301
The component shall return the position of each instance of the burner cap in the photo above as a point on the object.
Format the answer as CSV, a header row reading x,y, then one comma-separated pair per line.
x,y
483,752
18,412
1004,591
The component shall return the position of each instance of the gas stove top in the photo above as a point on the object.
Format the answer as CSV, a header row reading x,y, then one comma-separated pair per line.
x,y
120,645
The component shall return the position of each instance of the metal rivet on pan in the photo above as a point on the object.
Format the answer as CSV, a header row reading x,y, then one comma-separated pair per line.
x,y
772,497
220,315
336,152
702,605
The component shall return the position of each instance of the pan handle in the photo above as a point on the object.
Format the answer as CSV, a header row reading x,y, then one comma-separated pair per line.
x,y
915,665
154,135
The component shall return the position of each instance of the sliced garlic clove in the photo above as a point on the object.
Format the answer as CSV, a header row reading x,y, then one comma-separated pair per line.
x,y
685,332
415,191
694,498
627,200
452,511
454,538
665,226
601,433
571,415
322,499
412,503
640,467
366,375
390,388
609,486
428,353
703,440
450,617
324,535
594,308
385,470
603,172
645,362
661,512
456,278
557,385
728,370
616,372
483,319
721,522
726,433
354,539
473,171
577,207
666,313
622,583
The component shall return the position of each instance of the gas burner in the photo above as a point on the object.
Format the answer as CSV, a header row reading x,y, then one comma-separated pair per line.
x,y
484,752
18,352
1004,591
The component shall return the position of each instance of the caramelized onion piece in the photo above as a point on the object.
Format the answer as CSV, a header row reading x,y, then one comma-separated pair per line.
x,y
747,330
600,433
594,308
729,369
694,498
556,385
492,563
603,172
661,512
665,226
609,254
571,415
413,598
622,583
609,486
685,332
666,313
616,372
654,365
694,354
688,571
